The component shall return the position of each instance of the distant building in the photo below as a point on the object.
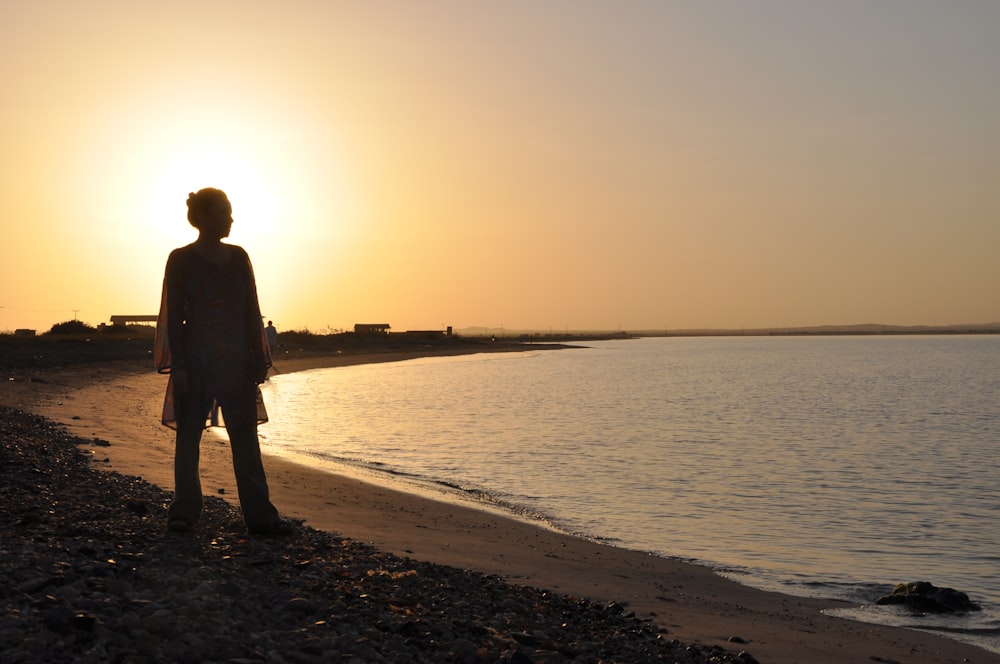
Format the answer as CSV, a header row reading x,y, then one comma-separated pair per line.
x,y
125,320
371,328
421,334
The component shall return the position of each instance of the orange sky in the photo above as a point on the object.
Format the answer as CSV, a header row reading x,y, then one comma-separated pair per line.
x,y
565,164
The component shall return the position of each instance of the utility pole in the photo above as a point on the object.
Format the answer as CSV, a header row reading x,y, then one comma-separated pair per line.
x,y
75,312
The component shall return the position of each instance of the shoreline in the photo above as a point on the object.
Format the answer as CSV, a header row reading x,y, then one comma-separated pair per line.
x,y
120,406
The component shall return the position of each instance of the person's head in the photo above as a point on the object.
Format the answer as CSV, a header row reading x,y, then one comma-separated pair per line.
x,y
210,212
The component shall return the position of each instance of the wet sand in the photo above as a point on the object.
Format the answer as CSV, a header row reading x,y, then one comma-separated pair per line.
x,y
117,406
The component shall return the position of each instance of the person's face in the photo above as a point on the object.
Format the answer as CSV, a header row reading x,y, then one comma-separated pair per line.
x,y
217,221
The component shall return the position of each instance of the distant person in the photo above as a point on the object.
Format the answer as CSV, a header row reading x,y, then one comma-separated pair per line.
x,y
210,339
271,334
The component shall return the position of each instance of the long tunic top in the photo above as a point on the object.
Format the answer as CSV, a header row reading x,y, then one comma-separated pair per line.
x,y
210,324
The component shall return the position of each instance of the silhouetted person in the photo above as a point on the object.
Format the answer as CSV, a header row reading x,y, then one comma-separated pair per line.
x,y
210,340
271,334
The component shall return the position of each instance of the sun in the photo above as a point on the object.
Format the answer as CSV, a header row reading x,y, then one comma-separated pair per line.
x,y
281,167
224,162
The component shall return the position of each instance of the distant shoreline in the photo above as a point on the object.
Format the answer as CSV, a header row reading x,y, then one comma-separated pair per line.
x,y
861,330
867,329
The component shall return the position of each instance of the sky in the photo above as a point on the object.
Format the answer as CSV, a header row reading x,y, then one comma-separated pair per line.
x,y
552,165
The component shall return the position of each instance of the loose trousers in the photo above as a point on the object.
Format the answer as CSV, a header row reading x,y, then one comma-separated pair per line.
x,y
240,416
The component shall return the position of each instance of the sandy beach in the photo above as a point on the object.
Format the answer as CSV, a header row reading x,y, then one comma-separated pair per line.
x,y
116,405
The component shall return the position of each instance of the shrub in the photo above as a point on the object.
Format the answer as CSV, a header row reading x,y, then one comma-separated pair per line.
x,y
72,327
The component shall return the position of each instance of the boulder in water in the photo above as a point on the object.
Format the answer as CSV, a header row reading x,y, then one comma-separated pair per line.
x,y
927,598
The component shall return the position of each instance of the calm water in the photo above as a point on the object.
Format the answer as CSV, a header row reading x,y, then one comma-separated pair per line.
x,y
830,466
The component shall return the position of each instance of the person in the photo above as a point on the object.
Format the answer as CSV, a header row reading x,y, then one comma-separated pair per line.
x,y
271,334
210,340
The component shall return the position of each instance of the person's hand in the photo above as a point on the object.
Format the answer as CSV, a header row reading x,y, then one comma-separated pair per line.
x,y
259,375
181,382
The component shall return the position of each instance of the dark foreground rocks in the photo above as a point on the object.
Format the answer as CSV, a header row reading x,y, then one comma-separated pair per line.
x,y
89,574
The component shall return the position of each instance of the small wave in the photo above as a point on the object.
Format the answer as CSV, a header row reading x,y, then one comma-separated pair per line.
x,y
979,628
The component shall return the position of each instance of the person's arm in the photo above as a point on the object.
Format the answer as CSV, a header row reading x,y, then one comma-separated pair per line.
x,y
259,351
168,346
174,298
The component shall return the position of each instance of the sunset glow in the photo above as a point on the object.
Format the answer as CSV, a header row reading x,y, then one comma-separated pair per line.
x,y
638,166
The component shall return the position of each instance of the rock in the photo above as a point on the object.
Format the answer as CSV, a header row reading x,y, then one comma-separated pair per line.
x,y
59,619
34,585
137,507
301,605
84,621
529,640
925,597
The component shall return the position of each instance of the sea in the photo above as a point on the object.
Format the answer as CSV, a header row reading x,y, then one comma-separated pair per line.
x,y
821,466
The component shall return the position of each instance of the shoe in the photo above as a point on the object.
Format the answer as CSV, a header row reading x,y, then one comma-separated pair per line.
x,y
277,529
178,525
